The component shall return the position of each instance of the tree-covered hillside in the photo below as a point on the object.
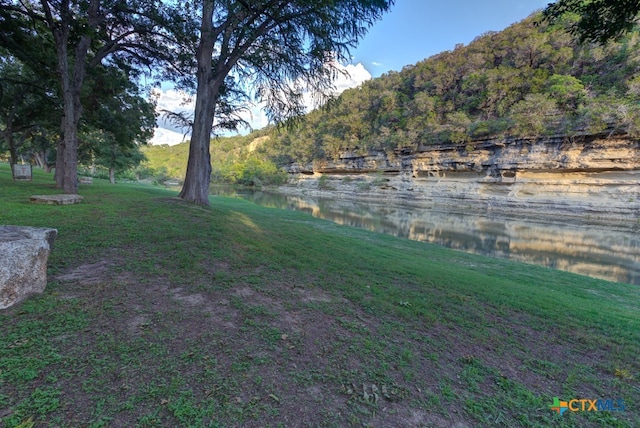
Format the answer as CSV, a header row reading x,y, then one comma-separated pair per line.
x,y
529,80
233,159
532,79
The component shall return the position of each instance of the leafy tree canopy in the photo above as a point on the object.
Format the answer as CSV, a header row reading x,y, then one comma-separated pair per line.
x,y
596,20
28,109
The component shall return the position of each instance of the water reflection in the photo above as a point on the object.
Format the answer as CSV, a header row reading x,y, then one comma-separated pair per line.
x,y
607,252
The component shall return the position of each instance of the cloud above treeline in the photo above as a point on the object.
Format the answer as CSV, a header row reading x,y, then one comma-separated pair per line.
x,y
181,102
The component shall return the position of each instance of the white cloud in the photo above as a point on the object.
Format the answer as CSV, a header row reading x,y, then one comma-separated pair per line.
x,y
255,116
357,75
178,101
349,76
174,100
167,136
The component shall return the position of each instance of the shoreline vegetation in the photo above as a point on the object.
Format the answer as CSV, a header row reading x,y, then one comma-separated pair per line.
x,y
162,313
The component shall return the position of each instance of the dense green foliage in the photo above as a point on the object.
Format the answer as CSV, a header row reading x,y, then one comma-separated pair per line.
x,y
26,131
530,80
164,161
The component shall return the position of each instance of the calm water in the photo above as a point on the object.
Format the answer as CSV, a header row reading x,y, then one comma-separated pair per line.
x,y
607,252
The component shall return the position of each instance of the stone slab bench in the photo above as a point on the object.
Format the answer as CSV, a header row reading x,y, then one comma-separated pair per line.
x,y
24,252
56,199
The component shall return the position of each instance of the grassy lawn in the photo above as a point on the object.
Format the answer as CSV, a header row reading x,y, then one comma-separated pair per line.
x,y
160,313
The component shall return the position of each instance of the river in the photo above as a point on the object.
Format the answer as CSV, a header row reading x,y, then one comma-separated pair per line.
x,y
610,252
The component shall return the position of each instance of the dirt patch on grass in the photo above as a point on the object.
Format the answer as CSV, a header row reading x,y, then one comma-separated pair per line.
x,y
90,273
268,359
262,348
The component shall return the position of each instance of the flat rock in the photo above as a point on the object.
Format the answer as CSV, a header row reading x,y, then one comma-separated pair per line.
x,y
24,252
56,199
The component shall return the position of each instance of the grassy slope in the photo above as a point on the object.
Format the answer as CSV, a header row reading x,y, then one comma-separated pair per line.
x,y
160,313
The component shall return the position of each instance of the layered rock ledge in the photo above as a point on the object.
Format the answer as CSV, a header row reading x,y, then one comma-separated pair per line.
x,y
24,252
588,177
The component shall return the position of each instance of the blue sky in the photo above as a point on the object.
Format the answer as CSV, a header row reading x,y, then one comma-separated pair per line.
x,y
417,29
412,31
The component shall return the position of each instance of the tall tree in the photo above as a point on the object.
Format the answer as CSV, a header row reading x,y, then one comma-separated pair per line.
x,y
597,20
272,49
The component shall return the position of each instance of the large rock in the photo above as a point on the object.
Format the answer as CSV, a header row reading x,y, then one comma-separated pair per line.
x,y
23,262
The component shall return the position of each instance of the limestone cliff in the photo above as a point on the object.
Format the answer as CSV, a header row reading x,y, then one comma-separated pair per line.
x,y
588,177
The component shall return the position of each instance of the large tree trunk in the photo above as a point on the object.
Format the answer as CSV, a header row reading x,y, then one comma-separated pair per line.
x,y
71,74
67,159
198,176
13,151
112,175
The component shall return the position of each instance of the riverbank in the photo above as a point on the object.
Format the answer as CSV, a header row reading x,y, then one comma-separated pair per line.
x,y
161,313
594,178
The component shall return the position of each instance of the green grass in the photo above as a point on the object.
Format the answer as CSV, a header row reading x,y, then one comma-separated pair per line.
x,y
161,313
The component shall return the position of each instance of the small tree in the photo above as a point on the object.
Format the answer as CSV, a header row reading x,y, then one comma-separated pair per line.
x,y
568,91
533,116
117,157
118,120
458,125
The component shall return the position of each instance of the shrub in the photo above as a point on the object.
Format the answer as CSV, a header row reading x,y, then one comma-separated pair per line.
x,y
251,172
323,183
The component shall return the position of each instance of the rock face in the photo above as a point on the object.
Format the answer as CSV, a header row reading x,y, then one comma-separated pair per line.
x,y
23,262
587,177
